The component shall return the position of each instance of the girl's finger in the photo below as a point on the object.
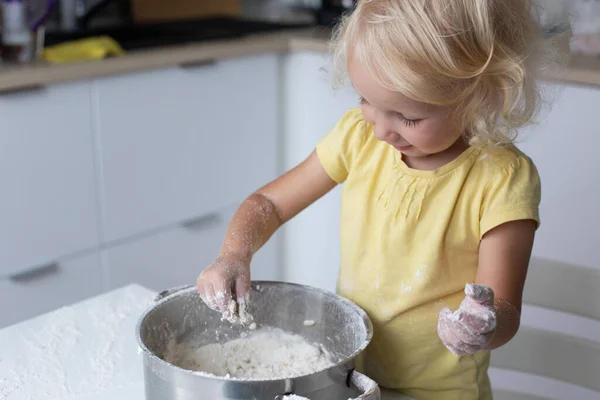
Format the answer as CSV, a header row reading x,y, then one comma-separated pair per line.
x,y
482,294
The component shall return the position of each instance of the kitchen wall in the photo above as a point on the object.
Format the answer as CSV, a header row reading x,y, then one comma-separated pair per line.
x,y
564,146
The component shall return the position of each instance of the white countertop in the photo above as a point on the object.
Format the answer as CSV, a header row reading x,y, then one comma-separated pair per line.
x,y
86,351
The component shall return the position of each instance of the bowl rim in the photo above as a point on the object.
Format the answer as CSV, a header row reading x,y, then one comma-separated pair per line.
x,y
183,290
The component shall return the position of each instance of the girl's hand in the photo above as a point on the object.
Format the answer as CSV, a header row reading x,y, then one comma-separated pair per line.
x,y
471,328
225,287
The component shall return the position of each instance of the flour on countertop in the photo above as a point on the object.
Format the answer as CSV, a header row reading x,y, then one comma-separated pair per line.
x,y
69,354
268,353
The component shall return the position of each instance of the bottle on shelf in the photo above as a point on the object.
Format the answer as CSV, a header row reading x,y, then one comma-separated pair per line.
x,y
16,37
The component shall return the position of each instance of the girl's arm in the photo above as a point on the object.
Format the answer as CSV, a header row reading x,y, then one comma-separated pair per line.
x,y
261,214
490,314
504,255
255,221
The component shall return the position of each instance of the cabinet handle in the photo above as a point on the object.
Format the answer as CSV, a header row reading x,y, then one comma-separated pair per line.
x,y
198,64
202,222
35,273
32,88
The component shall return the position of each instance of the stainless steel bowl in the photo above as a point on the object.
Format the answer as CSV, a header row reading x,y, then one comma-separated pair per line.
x,y
341,327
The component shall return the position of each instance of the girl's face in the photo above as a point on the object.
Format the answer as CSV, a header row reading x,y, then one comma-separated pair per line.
x,y
417,130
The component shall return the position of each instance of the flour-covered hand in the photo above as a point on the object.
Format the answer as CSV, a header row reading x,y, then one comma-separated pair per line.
x,y
469,329
225,287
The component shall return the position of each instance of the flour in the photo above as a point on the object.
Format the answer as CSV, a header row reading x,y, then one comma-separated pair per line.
x,y
74,351
265,354
237,312
421,272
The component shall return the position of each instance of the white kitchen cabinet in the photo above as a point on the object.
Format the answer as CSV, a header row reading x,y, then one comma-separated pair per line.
x,y
177,256
29,294
185,141
564,147
311,109
48,202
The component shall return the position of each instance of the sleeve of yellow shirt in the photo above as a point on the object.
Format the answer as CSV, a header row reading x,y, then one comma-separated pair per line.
x,y
512,195
340,146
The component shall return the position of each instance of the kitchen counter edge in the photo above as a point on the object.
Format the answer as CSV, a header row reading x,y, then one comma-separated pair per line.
x,y
28,77
38,75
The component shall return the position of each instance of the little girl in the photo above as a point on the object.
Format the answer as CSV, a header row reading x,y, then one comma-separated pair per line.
x,y
439,208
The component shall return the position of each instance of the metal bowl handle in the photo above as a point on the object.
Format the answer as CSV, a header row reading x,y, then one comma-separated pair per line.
x,y
168,292
362,383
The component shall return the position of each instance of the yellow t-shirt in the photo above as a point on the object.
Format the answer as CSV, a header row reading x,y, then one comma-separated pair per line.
x,y
409,244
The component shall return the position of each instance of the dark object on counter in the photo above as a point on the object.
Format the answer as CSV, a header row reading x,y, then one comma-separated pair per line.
x,y
137,37
88,14
153,11
331,11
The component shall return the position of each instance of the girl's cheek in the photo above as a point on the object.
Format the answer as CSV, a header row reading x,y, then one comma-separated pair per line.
x,y
368,114
423,139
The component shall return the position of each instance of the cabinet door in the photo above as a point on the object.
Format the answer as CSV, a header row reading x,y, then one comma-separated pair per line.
x,y
48,201
312,108
35,292
177,256
563,146
182,142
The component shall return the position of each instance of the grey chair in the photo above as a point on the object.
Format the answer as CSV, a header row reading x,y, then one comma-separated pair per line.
x,y
538,352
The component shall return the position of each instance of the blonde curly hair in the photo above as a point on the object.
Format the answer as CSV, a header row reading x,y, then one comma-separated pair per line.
x,y
482,56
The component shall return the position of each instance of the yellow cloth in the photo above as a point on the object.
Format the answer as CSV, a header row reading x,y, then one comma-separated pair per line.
x,y
409,244
94,48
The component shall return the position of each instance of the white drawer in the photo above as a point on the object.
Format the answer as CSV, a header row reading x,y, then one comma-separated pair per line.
x,y
35,292
177,256
48,202
185,141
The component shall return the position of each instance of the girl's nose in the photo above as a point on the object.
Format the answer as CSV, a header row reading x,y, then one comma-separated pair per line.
x,y
384,133
382,127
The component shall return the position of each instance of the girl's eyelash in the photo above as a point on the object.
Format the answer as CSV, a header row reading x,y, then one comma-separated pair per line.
x,y
411,123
